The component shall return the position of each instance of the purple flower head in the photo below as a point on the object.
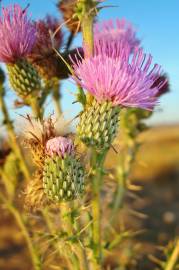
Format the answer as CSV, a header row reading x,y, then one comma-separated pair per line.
x,y
59,146
126,81
112,33
43,44
17,34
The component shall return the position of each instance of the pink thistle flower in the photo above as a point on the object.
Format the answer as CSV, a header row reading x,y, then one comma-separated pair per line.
x,y
17,34
59,146
126,81
112,33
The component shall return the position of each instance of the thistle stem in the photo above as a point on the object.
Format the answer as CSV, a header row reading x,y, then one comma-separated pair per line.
x,y
119,196
68,227
87,27
69,42
12,136
36,108
97,167
21,223
122,175
56,98
173,258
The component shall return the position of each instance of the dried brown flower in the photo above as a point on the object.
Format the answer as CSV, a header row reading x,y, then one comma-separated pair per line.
x,y
35,198
37,133
43,56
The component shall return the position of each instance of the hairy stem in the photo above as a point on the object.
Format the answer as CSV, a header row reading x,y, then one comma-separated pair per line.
x,y
97,162
87,27
68,228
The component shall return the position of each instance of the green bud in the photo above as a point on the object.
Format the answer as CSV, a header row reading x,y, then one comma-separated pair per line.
x,y
24,79
98,124
63,178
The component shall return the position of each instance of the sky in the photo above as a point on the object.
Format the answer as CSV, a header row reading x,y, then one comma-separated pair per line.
x,y
157,24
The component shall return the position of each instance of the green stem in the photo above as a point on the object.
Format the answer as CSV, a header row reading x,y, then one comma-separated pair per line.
x,y
173,258
52,230
68,227
81,248
21,223
122,175
97,162
9,186
87,19
87,30
36,108
56,98
12,136
119,196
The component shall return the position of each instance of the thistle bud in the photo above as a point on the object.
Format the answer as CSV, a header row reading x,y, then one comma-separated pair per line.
x,y
23,78
63,174
98,124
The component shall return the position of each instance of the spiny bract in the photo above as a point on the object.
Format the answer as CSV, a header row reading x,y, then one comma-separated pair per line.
x,y
98,124
63,178
23,78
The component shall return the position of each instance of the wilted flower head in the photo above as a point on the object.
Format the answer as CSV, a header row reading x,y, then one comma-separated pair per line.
x,y
115,32
43,45
43,56
17,34
43,130
59,146
37,133
126,81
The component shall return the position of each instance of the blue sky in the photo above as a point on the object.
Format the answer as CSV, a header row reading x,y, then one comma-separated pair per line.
x,y
157,23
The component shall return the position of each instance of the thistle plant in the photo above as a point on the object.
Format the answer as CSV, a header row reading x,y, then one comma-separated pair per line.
x,y
70,221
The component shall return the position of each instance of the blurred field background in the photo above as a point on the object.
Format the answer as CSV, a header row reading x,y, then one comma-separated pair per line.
x,y
155,207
